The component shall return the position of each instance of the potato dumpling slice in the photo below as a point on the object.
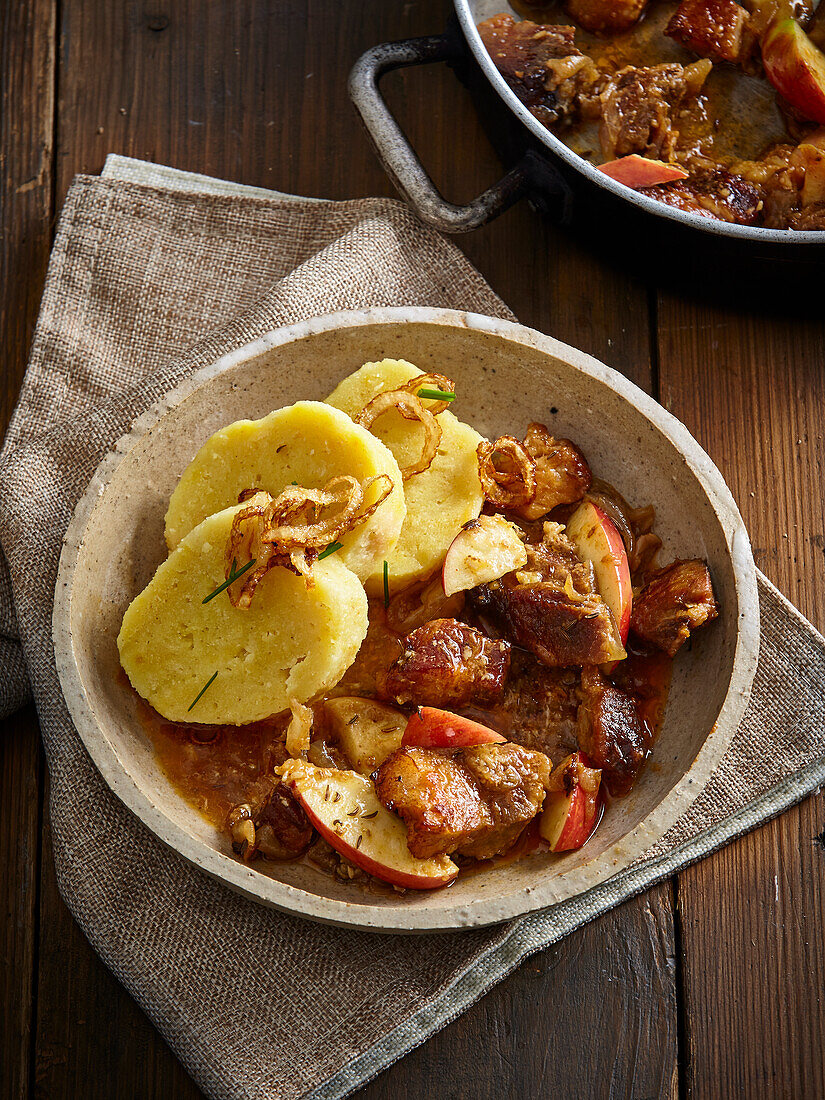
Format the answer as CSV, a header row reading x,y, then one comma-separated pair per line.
x,y
441,499
307,443
292,643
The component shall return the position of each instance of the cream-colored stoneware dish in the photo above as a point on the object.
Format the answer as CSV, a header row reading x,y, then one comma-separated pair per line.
x,y
506,376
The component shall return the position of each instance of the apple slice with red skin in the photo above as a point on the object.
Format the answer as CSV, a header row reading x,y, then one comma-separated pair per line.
x,y
431,728
344,808
796,68
483,550
635,171
597,540
571,814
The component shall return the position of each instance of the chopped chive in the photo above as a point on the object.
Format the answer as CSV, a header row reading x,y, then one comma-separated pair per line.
x,y
333,546
436,395
233,576
202,691
386,584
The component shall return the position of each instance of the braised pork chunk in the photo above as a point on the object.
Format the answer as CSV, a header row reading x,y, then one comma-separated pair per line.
x,y
611,732
673,602
640,107
562,473
710,28
473,801
541,64
551,607
718,194
605,16
446,663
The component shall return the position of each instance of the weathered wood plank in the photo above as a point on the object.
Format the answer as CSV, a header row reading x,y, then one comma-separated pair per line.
x,y
750,388
255,92
27,33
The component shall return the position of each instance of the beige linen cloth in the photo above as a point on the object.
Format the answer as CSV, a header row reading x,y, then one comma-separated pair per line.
x,y
147,261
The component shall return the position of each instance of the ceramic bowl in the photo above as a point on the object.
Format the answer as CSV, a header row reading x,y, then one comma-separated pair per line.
x,y
506,376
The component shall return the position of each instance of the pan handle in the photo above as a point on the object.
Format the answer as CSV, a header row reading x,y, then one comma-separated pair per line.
x,y
398,157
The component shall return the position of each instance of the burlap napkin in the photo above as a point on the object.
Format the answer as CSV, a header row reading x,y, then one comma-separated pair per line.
x,y
251,1000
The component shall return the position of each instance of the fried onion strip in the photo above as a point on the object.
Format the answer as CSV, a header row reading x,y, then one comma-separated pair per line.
x,y
292,528
430,381
507,472
411,408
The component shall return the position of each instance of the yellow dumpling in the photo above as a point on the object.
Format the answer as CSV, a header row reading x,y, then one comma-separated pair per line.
x,y
293,642
306,443
441,499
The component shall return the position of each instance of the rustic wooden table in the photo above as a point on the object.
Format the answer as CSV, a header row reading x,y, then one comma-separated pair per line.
x,y
710,984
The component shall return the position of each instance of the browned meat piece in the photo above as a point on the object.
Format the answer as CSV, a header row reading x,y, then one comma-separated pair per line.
x,y
538,709
717,194
272,824
474,801
550,607
605,16
674,601
562,473
541,64
639,106
611,732
446,663
711,28
810,217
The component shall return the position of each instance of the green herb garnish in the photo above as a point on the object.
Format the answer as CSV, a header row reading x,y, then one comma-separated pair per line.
x,y
436,395
386,584
333,546
233,576
202,691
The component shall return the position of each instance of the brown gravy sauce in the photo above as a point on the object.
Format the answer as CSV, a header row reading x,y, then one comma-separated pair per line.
x,y
213,768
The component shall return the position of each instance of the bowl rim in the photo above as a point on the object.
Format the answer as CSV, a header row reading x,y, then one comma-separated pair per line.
x,y
418,918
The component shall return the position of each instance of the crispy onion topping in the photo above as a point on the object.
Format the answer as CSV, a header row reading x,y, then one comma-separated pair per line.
x,y
430,382
507,472
406,401
289,530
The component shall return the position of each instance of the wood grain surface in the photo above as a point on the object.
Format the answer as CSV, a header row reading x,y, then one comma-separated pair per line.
x,y
706,986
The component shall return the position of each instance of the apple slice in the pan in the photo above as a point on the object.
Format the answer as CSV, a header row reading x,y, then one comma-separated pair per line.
x,y
635,171
796,68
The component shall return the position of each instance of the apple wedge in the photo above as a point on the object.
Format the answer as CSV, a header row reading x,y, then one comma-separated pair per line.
x,y
796,68
483,550
635,171
571,813
596,539
344,808
431,728
366,731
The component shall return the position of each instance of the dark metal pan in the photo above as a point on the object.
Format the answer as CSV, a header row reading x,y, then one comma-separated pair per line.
x,y
543,167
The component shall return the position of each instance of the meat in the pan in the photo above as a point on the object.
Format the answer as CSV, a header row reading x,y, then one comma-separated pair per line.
x,y
640,107
710,28
712,194
605,16
541,64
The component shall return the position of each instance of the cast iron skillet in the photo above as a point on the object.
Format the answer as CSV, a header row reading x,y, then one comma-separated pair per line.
x,y
547,169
